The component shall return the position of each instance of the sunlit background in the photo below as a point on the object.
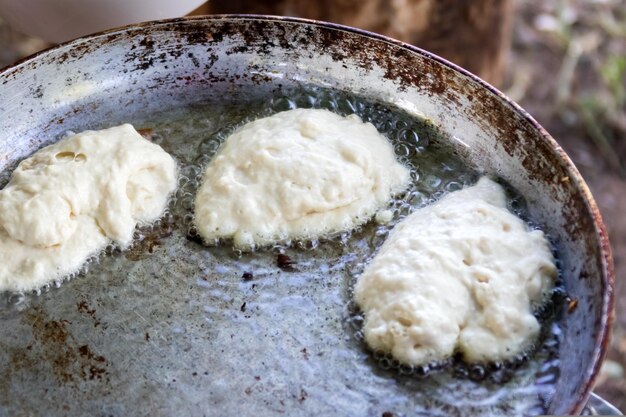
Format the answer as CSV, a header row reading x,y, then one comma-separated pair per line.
x,y
565,63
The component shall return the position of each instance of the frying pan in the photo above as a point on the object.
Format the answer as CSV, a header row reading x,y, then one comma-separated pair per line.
x,y
172,329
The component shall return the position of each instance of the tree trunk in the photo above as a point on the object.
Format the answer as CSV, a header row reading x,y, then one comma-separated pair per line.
x,y
474,34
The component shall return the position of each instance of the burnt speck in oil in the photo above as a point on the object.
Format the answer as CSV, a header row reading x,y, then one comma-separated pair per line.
x,y
243,307
147,240
388,414
147,336
284,262
247,276
305,353
83,307
146,133
303,395
86,352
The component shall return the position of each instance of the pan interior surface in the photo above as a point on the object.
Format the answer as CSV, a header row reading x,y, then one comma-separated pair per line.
x,y
173,325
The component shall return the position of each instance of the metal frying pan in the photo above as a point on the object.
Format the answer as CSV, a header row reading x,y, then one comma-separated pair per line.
x,y
172,328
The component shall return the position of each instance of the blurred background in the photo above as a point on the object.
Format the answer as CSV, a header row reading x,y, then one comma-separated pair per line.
x,y
564,61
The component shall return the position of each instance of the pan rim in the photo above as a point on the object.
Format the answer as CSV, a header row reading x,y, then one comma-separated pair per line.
x,y
600,232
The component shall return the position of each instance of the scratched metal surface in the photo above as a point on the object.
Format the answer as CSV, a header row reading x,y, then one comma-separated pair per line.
x,y
167,332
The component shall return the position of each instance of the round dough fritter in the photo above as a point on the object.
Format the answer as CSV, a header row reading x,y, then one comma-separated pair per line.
x,y
70,199
461,274
297,174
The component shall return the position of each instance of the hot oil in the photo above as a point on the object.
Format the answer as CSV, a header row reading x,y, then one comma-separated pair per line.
x,y
220,330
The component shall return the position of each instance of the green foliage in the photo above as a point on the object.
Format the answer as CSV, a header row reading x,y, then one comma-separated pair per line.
x,y
614,75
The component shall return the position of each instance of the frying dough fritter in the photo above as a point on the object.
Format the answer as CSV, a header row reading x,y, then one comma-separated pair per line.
x,y
298,174
70,199
463,273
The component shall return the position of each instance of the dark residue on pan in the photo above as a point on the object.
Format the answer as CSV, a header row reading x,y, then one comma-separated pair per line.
x,y
56,347
285,262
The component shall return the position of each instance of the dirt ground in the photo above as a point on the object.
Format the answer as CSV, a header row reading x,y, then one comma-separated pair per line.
x,y
567,67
